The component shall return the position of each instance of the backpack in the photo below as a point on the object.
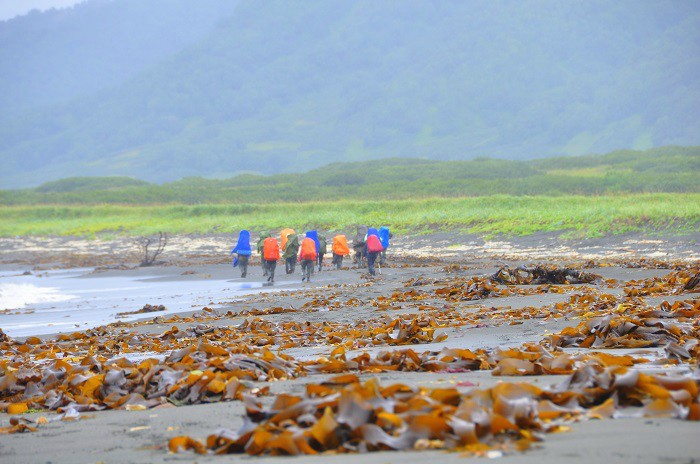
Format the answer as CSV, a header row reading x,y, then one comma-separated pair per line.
x,y
308,249
271,250
384,236
374,245
340,245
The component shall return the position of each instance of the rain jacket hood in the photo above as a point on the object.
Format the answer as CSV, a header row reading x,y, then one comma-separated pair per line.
x,y
243,245
372,231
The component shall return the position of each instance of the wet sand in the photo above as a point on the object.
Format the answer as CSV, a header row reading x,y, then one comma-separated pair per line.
x,y
141,436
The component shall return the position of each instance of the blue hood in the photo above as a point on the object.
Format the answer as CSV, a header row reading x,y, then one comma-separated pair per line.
x,y
243,245
372,231
384,236
313,235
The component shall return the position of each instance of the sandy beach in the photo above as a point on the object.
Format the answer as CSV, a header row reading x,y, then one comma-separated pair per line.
x,y
207,300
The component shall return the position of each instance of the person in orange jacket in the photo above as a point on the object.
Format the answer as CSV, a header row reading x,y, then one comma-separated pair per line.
x,y
340,250
271,253
307,258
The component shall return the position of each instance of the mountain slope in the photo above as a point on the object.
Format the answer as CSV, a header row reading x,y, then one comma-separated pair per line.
x,y
294,85
49,57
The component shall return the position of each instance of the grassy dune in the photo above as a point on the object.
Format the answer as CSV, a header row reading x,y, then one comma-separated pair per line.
x,y
578,216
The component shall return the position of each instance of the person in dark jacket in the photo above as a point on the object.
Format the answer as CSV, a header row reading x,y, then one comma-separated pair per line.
x,y
259,247
243,252
290,253
358,245
322,250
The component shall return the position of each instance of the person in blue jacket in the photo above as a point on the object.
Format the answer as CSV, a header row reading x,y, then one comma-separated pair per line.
x,y
384,237
243,252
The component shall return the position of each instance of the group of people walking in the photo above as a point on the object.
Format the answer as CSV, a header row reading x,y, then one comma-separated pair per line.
x,y
368,245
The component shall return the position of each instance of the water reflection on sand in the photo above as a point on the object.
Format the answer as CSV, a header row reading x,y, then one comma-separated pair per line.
x,y
63,300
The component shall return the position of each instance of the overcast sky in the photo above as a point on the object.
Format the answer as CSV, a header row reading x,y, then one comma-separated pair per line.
x,y
12,8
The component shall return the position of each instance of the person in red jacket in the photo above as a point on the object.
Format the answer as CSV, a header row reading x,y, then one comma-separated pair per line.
x,y
373,247
271,253
307,258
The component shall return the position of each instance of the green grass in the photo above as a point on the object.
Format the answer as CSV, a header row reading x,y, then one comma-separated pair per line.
x,y
578,216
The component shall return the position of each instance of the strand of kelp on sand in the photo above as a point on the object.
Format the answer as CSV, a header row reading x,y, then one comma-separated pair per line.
x,y
206,362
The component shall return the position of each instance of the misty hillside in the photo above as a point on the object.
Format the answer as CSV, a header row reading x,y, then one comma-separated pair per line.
x,y
295,85
50,57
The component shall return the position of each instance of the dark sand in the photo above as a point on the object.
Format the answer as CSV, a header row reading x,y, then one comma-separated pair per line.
x,y
141,436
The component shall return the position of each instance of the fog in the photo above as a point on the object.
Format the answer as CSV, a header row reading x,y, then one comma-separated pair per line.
x,y
11,8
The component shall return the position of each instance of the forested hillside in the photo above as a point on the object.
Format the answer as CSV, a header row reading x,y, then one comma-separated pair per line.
x,y
296,85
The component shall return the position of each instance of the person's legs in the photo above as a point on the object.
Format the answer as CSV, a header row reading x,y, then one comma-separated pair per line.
x,y
371,258
320,262
286,266
382,257
271,266
243,263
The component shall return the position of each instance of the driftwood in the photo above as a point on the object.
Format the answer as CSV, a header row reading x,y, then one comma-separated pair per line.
x,y
523,275
149,256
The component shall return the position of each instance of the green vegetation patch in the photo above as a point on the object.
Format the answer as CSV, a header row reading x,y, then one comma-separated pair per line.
x,y
580,216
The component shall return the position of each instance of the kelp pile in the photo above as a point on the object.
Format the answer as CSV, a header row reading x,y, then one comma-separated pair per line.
x,y
344,415
147,308
684,280
676,325
200,360
530,359
538,275
195,374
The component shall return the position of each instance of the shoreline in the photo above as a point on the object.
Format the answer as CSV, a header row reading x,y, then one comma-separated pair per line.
x,y
60,252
